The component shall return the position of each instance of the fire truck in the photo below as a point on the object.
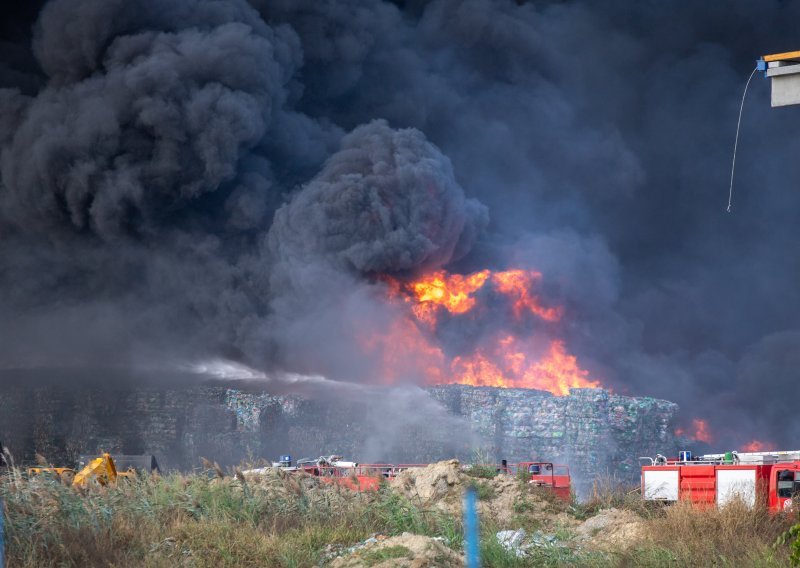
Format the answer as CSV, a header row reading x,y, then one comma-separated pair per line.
x,y
717,479
366,477
551,476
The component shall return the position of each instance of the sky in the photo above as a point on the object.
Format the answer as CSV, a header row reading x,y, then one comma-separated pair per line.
x,y
185,179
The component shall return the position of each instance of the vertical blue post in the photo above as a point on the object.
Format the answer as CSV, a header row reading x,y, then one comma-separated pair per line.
x,y
472,548
2,534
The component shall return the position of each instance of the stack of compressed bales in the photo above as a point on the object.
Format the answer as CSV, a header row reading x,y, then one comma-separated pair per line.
x,y
593,430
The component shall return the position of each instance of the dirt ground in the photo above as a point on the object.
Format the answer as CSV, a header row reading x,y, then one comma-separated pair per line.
x,y
404,551
611,529
509,504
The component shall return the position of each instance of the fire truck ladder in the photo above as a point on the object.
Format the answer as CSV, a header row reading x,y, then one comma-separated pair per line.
x,y
755,458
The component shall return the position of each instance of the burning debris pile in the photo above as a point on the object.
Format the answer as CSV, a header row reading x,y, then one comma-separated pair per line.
x,y
395,193
595,431
591,429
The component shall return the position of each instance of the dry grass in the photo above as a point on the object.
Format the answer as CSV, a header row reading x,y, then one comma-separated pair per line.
x,y
611,492
198,520
734,535
208,520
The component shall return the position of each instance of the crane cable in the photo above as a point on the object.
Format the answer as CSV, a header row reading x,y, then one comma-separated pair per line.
x,y
736,143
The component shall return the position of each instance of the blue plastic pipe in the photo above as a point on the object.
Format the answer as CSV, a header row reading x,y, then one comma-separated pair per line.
x,y
2,534
472,548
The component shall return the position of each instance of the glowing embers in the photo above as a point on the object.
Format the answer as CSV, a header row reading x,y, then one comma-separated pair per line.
x,y
510,365
522,351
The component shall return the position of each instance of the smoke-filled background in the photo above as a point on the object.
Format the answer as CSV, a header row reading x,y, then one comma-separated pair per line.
x,y
185,179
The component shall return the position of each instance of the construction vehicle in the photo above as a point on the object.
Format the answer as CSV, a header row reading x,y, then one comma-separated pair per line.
x,y
769,478
102,470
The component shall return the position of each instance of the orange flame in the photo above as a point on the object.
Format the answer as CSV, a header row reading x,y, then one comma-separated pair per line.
x,y
509,366
455,293
517,283
759,446
504,360
451,292
701,433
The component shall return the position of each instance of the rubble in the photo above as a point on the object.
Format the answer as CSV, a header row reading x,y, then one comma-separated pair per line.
x,y
440,487
513,541
611,529
518,542
404,551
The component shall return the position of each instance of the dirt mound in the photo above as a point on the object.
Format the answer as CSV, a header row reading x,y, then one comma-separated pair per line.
x,y
407,551
503,498
611,529
441,486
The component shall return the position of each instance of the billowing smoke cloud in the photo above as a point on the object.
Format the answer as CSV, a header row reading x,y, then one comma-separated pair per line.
x,y
124,141
139,176
386,202
146,146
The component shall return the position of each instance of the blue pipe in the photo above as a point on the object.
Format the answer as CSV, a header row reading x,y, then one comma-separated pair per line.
x,y
472,548
2,534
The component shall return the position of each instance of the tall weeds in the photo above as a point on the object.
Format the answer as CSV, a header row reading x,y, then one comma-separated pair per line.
x,y
207,520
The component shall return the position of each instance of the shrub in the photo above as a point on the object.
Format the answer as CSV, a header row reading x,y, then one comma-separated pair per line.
x,y
482,471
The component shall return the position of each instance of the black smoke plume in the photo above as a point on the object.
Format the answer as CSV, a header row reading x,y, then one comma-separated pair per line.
x,y
181,179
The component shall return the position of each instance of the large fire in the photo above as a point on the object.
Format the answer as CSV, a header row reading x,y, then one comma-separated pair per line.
x,y
510,366
456,293
516,354
437,291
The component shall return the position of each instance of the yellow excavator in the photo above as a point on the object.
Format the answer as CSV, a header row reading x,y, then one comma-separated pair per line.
x,y
101,470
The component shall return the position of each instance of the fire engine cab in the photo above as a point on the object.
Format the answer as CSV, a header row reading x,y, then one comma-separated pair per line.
x,y
554,477
717,479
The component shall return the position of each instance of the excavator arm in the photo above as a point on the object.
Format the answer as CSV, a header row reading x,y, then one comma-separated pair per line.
x,y
101,469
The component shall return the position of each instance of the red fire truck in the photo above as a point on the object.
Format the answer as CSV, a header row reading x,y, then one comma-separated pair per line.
x,y
366,477
717,479
554,477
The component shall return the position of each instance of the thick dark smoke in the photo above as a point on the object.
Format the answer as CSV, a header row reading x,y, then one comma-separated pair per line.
x,y
386,202
181,179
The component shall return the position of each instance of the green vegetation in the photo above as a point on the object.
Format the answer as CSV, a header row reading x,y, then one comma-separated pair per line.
x,y
481,466
373,557
199,520
285,521
483,491
481,471
791,536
